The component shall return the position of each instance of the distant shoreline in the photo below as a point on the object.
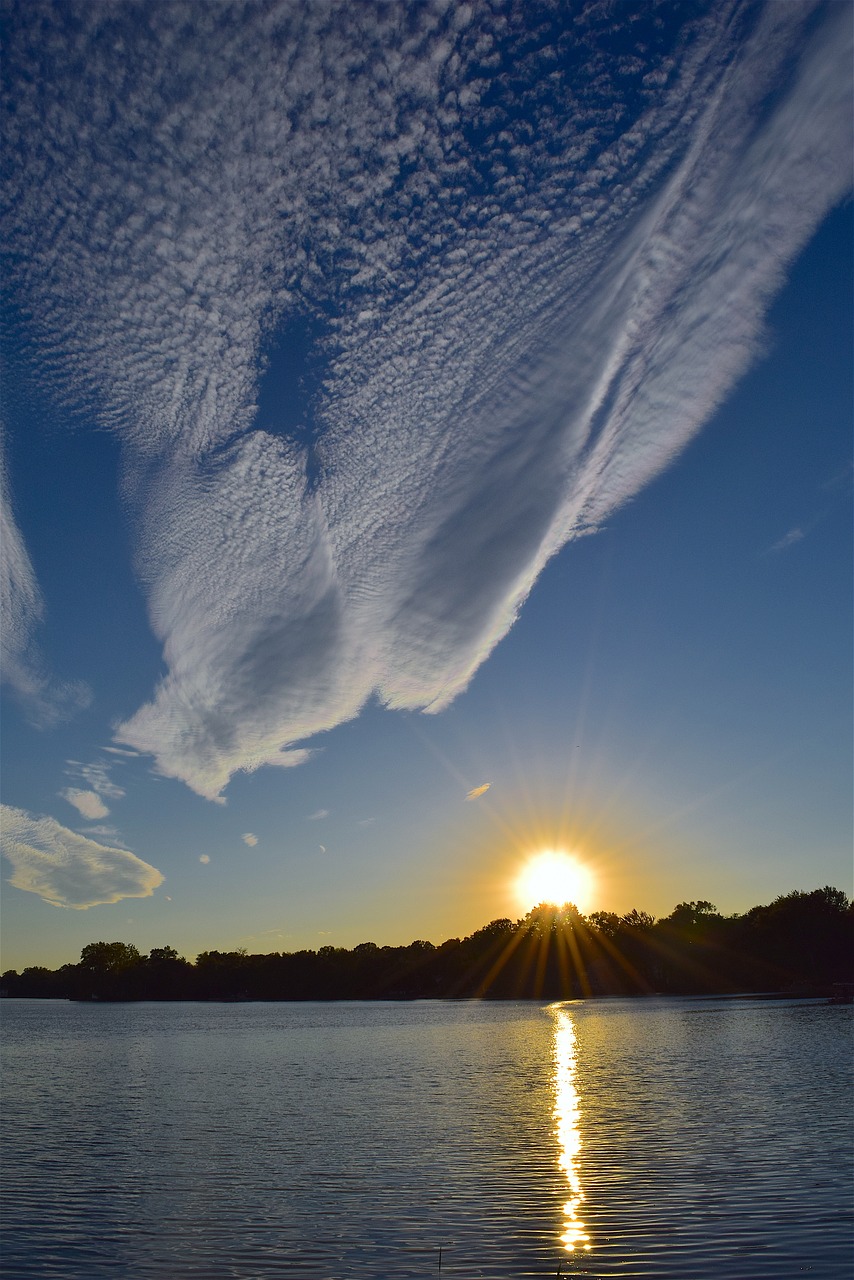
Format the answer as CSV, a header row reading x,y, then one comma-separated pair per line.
x,y
799,945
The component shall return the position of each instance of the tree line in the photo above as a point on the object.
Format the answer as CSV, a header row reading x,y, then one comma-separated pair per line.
x,y
800,942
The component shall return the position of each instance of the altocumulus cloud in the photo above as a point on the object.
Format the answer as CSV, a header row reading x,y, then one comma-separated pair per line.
x,y
542,261
67,869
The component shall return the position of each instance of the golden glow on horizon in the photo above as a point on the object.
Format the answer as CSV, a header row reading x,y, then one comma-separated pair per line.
x,y
629,857
567,1116
555,877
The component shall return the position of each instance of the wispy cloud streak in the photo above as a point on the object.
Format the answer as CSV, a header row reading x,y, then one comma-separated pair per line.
x,y
541,264
20,598
477,792
789,539
22,666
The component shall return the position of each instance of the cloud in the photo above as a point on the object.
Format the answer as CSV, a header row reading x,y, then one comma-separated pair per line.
x,y
67,869
477,792
89,800
87,803
107,832
22,666
205,858
842,482
788,540
541,270
317,815
249,839
322,848
23,608
96,776
837,488
265,936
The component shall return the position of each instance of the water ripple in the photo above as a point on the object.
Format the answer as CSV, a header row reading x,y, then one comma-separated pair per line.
x,y
660,1139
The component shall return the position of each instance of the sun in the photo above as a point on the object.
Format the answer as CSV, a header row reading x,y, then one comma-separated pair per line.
x,y
556,877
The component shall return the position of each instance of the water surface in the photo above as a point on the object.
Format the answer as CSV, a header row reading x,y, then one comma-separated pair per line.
x,y
656,1138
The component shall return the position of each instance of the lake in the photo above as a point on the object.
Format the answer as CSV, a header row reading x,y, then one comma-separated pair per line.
x,y
682,1138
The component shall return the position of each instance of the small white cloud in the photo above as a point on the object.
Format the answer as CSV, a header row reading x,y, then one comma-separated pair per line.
x,y
87,803
477,792
322,848
67,869
249,839
367,822
96,777
315,817
794,535
120,751
203,857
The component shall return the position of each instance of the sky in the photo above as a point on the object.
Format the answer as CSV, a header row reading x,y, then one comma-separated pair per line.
x,y
426,442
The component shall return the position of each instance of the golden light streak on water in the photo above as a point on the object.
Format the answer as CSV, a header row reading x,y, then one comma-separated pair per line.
x,y
567,1115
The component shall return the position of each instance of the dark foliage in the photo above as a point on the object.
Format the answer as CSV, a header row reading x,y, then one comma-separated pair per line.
x,y
799,942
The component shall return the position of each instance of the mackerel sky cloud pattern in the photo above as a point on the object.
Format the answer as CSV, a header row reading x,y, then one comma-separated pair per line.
x,y
533,269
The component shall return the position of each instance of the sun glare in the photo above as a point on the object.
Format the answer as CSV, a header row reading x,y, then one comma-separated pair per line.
x,y
555,877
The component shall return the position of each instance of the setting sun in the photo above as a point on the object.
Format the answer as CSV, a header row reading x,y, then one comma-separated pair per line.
x,y
556,877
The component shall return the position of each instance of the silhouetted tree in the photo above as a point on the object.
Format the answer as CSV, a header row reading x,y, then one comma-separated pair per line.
x,y
105,971
800,940
167,976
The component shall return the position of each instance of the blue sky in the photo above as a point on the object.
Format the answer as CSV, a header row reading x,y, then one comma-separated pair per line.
x,y
488,361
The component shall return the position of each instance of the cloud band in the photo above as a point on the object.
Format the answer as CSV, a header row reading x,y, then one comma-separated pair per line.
x,y
534,295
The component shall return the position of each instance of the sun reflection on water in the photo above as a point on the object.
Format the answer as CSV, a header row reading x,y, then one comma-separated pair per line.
x,y
567,1113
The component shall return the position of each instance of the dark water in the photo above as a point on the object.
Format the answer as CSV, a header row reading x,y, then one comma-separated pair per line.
x,y
656,1138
